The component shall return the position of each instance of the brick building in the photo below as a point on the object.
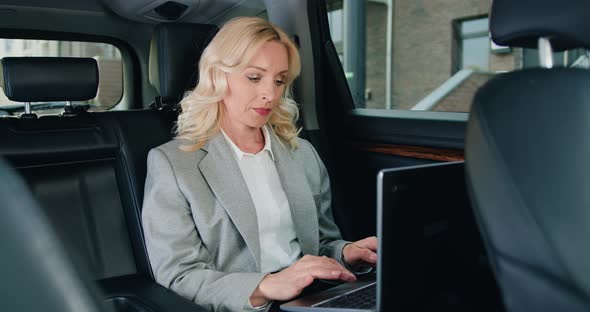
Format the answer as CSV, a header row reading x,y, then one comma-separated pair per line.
x,y
431,40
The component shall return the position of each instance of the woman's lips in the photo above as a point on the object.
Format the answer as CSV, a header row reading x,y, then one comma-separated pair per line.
x,y
263,111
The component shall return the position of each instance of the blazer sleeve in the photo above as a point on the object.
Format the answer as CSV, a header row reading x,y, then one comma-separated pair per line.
x,y
331,242
178,258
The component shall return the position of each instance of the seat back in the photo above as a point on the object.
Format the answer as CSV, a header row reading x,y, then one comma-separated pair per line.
x,y
527,161
175,51
87,169
37,275
70,165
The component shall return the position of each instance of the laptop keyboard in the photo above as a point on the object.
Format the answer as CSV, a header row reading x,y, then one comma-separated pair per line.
x,y
364,298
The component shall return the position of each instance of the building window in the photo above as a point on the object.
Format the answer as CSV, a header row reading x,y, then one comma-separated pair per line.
x,y
473,44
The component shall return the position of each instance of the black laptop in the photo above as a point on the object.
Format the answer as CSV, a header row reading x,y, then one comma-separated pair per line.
x,y
403,195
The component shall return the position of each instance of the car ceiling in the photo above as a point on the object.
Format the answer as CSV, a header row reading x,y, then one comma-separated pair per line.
x,y
80,5
197,11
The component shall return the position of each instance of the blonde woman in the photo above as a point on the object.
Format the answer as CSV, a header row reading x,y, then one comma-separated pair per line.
x,y
237,210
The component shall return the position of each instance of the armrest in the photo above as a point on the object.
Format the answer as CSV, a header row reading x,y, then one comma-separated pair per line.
x,y
138,293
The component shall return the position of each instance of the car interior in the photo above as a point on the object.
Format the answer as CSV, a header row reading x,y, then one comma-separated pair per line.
x,y
531,203
90,86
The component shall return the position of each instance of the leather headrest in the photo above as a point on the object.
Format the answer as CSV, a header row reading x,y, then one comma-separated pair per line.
x,y
520,23
46,79
174,56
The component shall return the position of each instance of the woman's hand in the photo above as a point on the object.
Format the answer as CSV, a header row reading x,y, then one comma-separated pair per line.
x,y
361,253
289,283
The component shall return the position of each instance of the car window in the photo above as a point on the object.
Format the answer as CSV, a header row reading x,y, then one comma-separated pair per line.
x,y
422,55
107,56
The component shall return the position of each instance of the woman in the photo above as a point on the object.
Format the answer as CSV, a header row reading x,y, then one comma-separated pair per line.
x,y
237,196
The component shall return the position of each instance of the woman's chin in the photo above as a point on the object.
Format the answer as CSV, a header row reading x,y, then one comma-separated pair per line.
x,y
259,123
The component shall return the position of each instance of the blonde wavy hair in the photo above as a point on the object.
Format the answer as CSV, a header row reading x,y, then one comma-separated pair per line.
x,y
230,51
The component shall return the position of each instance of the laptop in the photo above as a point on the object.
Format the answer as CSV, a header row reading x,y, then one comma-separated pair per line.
x,y
405,196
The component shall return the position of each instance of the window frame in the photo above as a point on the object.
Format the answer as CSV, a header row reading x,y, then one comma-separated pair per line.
x,y
457,40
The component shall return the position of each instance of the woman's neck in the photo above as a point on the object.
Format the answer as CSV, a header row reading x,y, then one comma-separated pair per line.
x,y
247,139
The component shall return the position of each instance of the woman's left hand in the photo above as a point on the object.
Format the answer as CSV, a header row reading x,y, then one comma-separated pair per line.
x,y
361,253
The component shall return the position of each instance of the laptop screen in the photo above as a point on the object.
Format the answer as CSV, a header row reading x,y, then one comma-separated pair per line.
x,y
411,269
405,196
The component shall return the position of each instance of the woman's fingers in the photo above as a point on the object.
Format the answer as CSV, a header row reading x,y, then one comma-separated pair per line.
x,y
355,253
324,268
369,243
304,281
368,256
290,282
332,274
362,254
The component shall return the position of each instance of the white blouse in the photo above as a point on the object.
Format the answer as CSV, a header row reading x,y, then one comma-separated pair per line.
x,y
279,247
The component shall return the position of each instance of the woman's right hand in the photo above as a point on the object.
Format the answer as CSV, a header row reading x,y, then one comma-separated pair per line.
x,y
289,283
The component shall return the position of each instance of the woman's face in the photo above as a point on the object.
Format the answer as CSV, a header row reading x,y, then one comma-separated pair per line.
x,y
254,93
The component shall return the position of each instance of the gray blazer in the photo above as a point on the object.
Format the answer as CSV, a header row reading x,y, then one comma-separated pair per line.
x,y
200,223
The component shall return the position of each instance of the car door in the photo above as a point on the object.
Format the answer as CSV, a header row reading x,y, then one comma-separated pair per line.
x,y
390,93
364,125
393,83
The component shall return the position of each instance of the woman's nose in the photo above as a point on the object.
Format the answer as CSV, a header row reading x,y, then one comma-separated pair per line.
x,y
268,92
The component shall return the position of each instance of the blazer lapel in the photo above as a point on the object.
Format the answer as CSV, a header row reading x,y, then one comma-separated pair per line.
x,y
299,195
222,173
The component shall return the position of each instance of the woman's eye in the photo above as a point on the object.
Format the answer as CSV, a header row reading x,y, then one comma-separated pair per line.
x,y
280,82
254,78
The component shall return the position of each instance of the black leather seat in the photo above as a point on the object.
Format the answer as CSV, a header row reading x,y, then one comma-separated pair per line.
x,y
527,153
37,275
174,54
175,51
88,171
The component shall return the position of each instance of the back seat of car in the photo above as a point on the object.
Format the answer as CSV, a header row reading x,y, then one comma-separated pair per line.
x,y
88,169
